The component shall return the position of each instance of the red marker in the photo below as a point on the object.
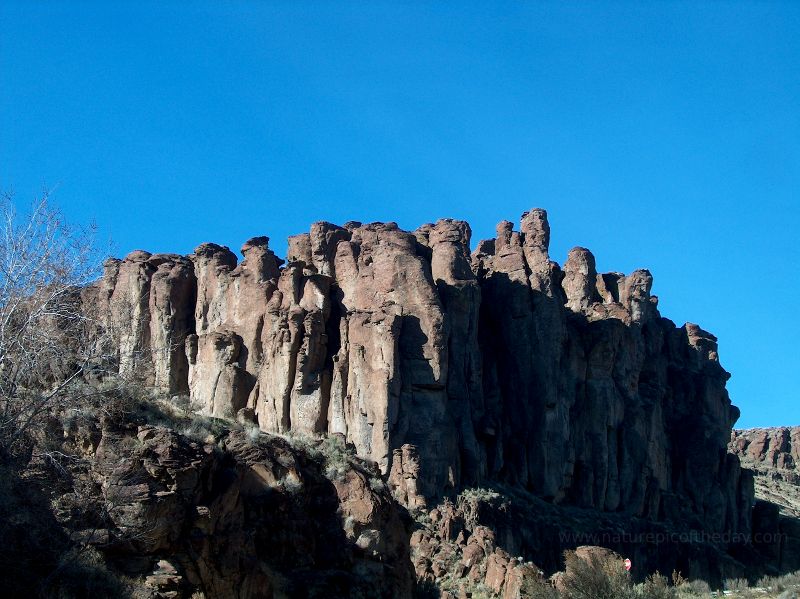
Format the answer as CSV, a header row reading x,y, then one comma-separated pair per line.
x,y
628,564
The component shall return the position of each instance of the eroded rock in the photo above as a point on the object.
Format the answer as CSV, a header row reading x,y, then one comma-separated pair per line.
x,y
495,366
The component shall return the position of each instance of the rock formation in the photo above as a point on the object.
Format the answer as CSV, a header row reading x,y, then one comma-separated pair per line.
x,y
773,454
445,367
219,512
772,449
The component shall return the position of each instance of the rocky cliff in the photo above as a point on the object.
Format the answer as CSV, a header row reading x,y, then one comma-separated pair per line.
x,y
110,505
446,367
773,454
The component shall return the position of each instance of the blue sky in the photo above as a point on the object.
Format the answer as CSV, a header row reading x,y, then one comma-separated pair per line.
x,y
663,135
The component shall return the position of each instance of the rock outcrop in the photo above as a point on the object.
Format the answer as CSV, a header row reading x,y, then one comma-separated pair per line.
x,y
471,539
774,450
491,365
773,454
234,515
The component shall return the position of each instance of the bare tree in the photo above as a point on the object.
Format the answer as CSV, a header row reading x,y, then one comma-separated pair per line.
x,y
47,343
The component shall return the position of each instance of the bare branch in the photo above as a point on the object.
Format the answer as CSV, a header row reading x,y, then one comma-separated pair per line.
x,y
47,343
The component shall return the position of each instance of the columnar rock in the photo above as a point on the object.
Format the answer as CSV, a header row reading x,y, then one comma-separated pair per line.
x,y
580,278
461,299
403,479
129,313
292,387
146,303
254,282
521,331
172,296
497,365
213,266
230,315
217,382
635,295
391,369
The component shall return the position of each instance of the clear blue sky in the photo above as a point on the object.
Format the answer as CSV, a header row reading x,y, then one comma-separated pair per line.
x,y
663,135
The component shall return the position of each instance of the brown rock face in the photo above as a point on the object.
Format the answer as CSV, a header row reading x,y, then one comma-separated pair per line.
x,y
580,278
496,365
171,319
147,303
218,385
773,454
773,448
244,516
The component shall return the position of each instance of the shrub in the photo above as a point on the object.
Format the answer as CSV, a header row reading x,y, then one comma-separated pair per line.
x,y
596,578
693,588
655,587
83,573
479,494
736,584
291,483
303,443
780,583
337,456
533,588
